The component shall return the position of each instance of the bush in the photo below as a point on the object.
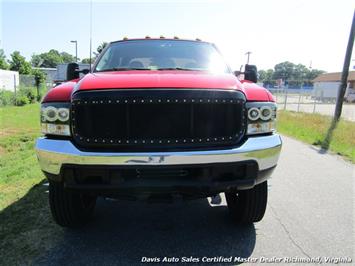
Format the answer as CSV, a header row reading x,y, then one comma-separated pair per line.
x,y
24,96
22,100
29,92
6,97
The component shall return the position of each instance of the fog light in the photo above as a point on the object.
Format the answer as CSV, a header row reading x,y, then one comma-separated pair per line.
x,y
261,127
55,129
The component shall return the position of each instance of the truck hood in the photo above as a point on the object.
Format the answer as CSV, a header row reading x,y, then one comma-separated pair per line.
x,y
158,79
151,79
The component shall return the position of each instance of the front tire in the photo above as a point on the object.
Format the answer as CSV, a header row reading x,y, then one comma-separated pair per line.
x,y
248,206
70,209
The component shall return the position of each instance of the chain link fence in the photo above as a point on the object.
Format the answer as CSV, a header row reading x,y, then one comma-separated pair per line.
x,y
310,100
27,80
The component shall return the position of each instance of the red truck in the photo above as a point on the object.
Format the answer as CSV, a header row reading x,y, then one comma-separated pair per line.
x,y
158,119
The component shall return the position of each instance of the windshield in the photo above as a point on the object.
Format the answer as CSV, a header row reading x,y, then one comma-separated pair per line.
x,y
161,55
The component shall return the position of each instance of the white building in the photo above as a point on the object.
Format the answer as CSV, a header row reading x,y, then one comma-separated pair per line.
x,y
9,80
326,85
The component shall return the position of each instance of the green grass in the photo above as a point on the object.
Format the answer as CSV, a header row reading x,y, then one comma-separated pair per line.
x,y
20,119
26,228
312,128
19,168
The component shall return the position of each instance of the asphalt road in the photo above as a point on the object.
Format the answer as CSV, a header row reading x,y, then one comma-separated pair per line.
x,y
310,213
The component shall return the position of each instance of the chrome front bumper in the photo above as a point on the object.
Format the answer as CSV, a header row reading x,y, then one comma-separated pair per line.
x,y
52,154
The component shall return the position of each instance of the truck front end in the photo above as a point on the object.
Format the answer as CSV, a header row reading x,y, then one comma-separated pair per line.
x,y
158,118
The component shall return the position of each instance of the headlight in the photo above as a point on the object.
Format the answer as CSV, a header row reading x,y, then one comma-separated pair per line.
x,y
253,114
261,117
55,119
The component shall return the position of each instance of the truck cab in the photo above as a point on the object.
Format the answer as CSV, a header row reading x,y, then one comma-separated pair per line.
x,y
158,118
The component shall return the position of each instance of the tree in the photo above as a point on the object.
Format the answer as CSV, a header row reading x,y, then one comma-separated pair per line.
x,y
40,77
262,75
300,72
293,74
49,59
36,60
19,63
100,48
67,58
284,70
3,63
87,60
311,75
266,76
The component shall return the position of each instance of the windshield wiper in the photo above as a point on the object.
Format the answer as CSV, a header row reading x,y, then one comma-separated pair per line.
x,y
121,69
176,68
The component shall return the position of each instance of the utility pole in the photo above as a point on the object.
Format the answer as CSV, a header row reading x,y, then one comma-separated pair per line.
x,y
76,50
248,53
342,87
345,73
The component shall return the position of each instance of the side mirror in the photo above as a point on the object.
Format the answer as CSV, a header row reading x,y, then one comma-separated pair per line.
x,y
72,71
84,71
251,73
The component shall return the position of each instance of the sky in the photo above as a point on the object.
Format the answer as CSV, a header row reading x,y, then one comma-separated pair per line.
x,y
310,32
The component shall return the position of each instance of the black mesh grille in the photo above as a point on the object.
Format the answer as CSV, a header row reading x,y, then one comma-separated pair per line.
x,y
138,120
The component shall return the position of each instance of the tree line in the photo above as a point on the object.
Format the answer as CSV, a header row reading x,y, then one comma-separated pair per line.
x,y
49,59
290,73
19,63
